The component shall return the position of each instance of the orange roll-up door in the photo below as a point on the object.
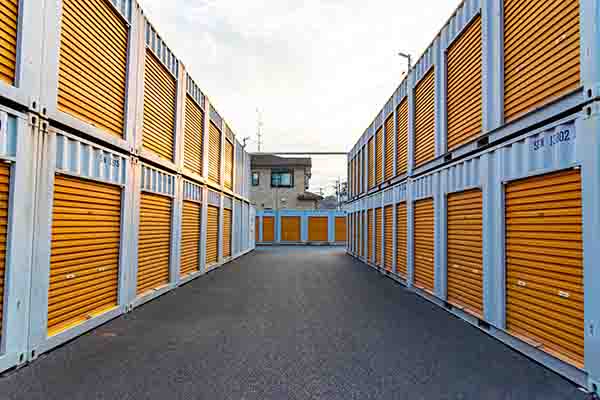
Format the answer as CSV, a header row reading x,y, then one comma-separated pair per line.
x,y
226,233
361,227
389,148
92,73
228,165
194,126
378,156
160,93
541,53
423,245
370,234
212,235
84,260
268,229
464,86
4,193
371,161
389,237
214,154
544,263
9,11
465,251
340,229
378,234
402,137
290,229
401,240
190,237
154,242
317,229
256,227
425,119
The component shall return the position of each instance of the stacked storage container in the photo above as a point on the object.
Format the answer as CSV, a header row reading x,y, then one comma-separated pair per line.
x,y
494,171
104,150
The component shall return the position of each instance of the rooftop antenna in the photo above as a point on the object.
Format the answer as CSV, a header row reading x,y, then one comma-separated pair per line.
x,y
245,141
259,125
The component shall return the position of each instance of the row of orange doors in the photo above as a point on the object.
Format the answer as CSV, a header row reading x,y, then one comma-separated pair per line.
x,y
291,229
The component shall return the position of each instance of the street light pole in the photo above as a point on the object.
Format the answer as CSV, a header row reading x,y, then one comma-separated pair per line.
x,y
408,58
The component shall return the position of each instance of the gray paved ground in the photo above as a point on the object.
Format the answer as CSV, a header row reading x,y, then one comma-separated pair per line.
x,y
287,323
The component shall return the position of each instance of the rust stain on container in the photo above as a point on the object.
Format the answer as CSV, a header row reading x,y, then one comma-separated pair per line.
x,y
544,263
84,260
92,73
160,93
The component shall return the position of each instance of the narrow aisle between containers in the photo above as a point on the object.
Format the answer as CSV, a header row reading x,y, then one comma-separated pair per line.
x,y
287,323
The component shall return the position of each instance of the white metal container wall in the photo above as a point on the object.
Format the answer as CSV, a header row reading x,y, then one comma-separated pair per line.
x,y
492,25
567,143
65,154
26,88
20,139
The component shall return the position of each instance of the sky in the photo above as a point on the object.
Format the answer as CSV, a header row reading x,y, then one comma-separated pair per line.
x,y
318,70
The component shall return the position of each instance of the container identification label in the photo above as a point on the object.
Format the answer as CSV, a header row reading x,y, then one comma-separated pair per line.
x,y
562,134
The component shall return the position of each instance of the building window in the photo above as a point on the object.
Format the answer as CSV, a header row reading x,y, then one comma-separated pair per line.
x,y
255,179
282,178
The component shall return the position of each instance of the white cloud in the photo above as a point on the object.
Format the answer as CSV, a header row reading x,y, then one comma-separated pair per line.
x,y
318,70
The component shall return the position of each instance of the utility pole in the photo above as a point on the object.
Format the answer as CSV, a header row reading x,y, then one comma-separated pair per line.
x,y
259,125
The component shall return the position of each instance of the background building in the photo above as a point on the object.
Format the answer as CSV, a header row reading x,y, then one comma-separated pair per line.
x,y
282,183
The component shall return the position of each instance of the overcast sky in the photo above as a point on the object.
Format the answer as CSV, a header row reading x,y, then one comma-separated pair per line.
x,y
319,71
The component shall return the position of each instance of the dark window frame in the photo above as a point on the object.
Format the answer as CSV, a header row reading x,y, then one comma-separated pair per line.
x,y
257,182
275,173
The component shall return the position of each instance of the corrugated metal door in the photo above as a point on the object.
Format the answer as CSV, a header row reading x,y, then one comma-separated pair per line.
x,y
212,235
160,94
402,137
93,61
190,237
389,148
378,156
256,229
361,227
465,251
154,242
401,240
378,234
9,11
228,165
317,229
227,217
425,119
464,86
268,229
194,123
84,260
214,154
340,229
423,245
544,263
370,234
371,161
290,229
389,237
541,53
4,194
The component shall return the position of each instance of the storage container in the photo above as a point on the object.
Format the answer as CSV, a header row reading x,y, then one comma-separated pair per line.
x,y
227,229
212,229
214,147
193,150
